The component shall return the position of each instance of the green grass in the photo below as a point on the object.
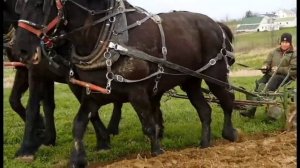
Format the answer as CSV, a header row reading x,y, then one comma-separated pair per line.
x,y
182,129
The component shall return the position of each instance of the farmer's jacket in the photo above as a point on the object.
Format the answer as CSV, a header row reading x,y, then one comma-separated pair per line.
x,y
289,61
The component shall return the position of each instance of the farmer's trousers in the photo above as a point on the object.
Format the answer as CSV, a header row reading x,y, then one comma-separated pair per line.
x,y
272,86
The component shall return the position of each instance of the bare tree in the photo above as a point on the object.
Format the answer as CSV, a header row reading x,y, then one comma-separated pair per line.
x,y
249,14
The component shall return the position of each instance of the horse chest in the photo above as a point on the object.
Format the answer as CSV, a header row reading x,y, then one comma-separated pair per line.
x,y
132,68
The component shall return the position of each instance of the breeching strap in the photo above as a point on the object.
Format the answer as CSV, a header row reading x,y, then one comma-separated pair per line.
x,y
144,56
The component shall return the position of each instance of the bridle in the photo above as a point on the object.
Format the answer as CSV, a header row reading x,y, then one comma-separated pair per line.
x,y
41,31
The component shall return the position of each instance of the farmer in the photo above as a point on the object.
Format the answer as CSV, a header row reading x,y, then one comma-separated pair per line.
x,y
279,61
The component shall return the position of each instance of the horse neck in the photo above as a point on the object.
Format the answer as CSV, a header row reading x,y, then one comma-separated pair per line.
x,y
85,40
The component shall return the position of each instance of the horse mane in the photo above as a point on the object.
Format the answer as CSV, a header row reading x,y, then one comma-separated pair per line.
x,y
227,30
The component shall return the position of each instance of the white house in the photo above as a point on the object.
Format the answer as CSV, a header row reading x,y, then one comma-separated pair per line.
x,y
268,22
286,18
286,22
283,13
257,24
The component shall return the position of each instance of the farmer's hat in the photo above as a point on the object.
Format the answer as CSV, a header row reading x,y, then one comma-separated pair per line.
x,y
286,37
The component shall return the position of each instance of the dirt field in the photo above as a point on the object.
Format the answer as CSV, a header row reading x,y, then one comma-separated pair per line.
x,y
262,150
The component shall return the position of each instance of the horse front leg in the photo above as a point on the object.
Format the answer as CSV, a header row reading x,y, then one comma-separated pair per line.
x,y
226,99
49,106
143,106
158,114
20,86
32,134
78,157
113,126
102,135
195,95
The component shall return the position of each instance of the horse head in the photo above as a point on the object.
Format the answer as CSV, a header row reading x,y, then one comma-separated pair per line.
x,y
44,23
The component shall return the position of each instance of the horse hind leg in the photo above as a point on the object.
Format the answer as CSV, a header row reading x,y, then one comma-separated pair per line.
x,y
195,95
226,99
102,134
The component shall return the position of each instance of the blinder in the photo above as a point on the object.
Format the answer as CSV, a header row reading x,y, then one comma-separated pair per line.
x,y
19,6
47,6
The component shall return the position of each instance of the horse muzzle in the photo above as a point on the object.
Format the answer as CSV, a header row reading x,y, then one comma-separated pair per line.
x,y
37,56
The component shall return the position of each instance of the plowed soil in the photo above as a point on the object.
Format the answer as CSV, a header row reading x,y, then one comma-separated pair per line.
x,y
261,150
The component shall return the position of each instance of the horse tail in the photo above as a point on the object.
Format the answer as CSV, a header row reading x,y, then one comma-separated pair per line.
x,y
227,31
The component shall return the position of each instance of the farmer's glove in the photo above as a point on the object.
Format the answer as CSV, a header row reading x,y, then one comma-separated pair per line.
x,y
274,68
265,69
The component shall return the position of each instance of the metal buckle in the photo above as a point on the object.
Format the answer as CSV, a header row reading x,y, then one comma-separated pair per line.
x,y
119,78
164,50
212,62
112,19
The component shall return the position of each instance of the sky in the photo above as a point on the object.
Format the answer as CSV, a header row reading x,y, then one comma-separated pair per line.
x,y
216,9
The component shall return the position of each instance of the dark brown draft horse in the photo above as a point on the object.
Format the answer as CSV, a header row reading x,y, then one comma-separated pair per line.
x,y
46,75
191,41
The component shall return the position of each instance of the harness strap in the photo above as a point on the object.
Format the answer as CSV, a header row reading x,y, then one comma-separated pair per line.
x,y
97,22
210,63
164,50
137,23
120,78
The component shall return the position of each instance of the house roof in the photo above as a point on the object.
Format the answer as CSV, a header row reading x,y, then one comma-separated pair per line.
x,y
248,27
285,19
252,20
269,15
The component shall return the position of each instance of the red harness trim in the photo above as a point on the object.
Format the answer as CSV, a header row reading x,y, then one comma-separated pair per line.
x,y
15,64
89,85
31,29
59,5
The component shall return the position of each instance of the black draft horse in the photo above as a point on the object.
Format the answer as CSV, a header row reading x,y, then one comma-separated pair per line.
x,y
192,40
46,131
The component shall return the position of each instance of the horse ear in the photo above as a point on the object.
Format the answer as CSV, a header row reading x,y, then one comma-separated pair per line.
x,y
47,5
19,6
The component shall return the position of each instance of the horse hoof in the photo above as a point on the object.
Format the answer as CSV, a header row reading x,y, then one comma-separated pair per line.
x,y
49,143
26,158
103,147
231,135
113,131
204,145
158,152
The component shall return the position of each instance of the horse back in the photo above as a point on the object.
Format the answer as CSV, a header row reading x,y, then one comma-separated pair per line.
x,y
191,38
